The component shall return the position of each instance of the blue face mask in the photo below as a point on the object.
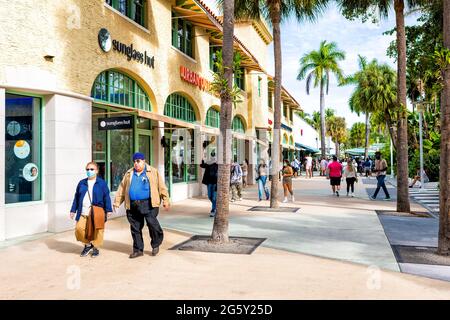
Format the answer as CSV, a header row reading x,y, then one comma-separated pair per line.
x,y
90,174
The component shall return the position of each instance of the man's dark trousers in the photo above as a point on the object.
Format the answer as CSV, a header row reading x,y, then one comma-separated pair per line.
x,y
139,212
381,184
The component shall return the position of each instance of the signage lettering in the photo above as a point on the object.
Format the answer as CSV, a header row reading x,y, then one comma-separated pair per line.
x,y
194,79
115,123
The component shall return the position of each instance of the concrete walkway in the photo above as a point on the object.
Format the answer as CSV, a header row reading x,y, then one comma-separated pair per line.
x,y
341,228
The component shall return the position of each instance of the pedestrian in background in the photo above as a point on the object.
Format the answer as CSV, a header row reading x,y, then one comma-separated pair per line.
x,y
261,178
309,164
288,172
244,173
210,180
142,189
380,170
351,176
91,191
236,182
335,174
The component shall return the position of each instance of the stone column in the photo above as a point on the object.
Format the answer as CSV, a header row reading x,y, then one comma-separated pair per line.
x,y
67,145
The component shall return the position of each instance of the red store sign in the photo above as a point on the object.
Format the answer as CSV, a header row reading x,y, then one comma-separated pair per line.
x,y
194,78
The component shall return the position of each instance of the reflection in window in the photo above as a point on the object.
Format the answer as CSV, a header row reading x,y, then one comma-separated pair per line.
x,y
22,149
99,144
180,156
121,153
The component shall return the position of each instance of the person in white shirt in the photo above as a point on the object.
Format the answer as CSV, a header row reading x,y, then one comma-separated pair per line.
x,y
350,175
309,161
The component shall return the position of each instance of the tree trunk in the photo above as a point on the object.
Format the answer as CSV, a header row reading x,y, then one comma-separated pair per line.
x,y
444,176
402,127
322,119
391,129
220,227
366,148
276,19
338,149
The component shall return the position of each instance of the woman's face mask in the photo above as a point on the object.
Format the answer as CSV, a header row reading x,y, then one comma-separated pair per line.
x,y
91,172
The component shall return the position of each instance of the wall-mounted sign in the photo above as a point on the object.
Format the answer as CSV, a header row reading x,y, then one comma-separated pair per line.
x,y
105,41
194,78
30,172
115,123
21,149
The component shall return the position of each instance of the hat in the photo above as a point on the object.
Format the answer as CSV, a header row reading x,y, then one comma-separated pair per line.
x,y
138,156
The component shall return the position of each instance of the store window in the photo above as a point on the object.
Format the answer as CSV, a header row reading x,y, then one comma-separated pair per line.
x,y
121,153
115,87
22,149
181,153
178,107
240,81
133,9
213,118
182,35
214,50
270,99
237,125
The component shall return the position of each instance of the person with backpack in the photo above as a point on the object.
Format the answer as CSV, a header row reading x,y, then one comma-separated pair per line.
x,y
210,180
236,182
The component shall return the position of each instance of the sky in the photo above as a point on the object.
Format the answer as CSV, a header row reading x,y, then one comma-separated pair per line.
x,y
353,37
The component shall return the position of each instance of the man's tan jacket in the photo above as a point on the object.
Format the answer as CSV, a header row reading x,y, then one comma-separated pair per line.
x,y
158,189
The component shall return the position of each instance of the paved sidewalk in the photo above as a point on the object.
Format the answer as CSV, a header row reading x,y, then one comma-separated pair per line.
x,y
341,228
50,268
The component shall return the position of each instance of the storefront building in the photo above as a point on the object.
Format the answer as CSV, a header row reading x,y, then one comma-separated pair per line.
x,y
102,80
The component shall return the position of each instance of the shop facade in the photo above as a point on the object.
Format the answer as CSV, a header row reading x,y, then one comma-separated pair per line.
x,y
102,81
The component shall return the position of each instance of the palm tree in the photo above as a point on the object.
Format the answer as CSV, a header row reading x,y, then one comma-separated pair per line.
x,y
352,8
276,11
357,133
220,227
317,66
336,129
444,178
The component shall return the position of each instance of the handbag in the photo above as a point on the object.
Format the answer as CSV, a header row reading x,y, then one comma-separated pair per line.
x,y
97,214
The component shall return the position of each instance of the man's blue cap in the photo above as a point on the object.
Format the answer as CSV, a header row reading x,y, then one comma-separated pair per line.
x,y
138,156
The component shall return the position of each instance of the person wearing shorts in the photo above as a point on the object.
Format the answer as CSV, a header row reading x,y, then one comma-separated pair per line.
x,y
335,173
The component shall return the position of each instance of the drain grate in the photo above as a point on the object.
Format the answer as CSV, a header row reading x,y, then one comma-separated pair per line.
x,y
269,209
420,255
236,245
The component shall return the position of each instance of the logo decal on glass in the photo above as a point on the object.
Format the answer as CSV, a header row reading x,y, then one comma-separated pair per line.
x,y
13,128
22,149
30,172
104,40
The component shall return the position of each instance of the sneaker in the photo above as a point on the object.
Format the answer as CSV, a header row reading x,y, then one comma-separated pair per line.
x,y
347,194
212,214
293,198
337,193
372,198
155,251
240,199
387,199
86,250
232,200
95,253
285,200
259,199
353,195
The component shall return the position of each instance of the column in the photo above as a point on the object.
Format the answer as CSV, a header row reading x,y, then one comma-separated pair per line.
x,y
67,145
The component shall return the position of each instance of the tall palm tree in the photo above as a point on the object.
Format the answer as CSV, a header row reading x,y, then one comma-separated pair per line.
x,y
220,227
360,7
444,178
357,135
336,129
275,12
317,66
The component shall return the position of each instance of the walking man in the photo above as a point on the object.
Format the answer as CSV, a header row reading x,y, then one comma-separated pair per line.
x,y
236,182
142,189
210,180
380,170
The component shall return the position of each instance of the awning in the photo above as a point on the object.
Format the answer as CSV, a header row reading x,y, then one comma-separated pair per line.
x,y
359,152
302,146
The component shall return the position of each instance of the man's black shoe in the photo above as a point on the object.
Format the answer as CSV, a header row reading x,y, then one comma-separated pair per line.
x,y
86,250
155,251
95,252
136,254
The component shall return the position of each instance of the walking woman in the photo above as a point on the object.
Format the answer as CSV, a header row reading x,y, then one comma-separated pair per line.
x,y
288,172
350,175
261,177
91,191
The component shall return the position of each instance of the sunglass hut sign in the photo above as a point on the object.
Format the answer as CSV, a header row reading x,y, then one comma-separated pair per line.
x,y
106,43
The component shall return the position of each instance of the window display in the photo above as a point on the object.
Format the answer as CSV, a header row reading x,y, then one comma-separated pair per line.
x,y
22,149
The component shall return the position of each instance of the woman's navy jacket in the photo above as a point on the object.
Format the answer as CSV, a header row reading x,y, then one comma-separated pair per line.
x,y
100,196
